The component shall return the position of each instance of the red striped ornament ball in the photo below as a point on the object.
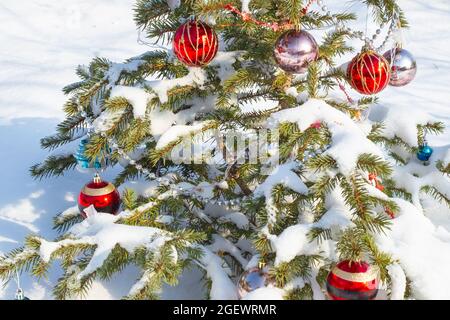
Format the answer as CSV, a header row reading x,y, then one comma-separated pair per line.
x,y
353,281
369,73
195,43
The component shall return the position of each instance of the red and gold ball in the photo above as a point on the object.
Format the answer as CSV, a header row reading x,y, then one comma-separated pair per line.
x,y
353,281
101,194
369,73
195,43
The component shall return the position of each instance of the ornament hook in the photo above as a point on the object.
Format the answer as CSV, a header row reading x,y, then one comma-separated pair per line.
x,y
19,292
97,178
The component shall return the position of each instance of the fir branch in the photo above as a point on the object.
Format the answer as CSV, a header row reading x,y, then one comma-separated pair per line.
x,y
95,147
351,244
300,266
53,166
291,10
374,164
117,261
381,259
137,132
71,125
71,107
129,199
398,158
445,169
322,163
159,154
62,223
65,287
313,79
384,11
128,173
304,293
146,11
436,194
334,45
431,128
21,259
162,30
319,234
56,141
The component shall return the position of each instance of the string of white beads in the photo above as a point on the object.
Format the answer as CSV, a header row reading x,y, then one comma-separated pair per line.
x,y
369,41
229,204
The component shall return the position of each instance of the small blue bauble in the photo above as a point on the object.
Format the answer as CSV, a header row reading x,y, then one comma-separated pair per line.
x,y
84,162
424,153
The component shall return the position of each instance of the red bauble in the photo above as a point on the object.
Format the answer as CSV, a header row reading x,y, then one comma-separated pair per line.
x,y
353,281
195,43
369,73
101,194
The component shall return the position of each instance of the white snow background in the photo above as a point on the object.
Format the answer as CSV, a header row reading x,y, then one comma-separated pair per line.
x,y
41,43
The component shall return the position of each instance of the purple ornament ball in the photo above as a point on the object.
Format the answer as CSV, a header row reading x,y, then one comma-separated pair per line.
x,y
295,50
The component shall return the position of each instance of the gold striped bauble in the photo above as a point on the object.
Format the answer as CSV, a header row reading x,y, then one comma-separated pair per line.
x,y
195,43
369,73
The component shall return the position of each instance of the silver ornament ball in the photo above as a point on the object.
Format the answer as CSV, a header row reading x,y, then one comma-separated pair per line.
x,y
295,50
253,279
403,66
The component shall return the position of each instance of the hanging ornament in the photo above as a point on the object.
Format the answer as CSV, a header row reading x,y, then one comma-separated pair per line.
x,y
195,43
83,162
295,50
425,152
353,281
253,279
403,66
368,73
100,194
20,295
373,178
377,184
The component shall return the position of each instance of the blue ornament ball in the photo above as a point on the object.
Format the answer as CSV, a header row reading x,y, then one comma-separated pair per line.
x,y
85,163
424,153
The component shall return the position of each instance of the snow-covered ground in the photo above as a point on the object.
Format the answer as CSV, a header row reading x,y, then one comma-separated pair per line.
x,y
42,41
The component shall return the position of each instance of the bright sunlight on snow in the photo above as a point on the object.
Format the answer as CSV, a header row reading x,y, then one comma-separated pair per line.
x,y
38,57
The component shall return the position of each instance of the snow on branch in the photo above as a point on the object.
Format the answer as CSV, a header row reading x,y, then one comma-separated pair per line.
x,y
397,125
221,244
222,287
349,142
173,4
117,69
398,282
283,175
68,214
415,176
294,241
139,97
423,251
178,132
102,231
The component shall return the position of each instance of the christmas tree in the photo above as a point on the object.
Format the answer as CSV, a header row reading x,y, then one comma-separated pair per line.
x,y
312,195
